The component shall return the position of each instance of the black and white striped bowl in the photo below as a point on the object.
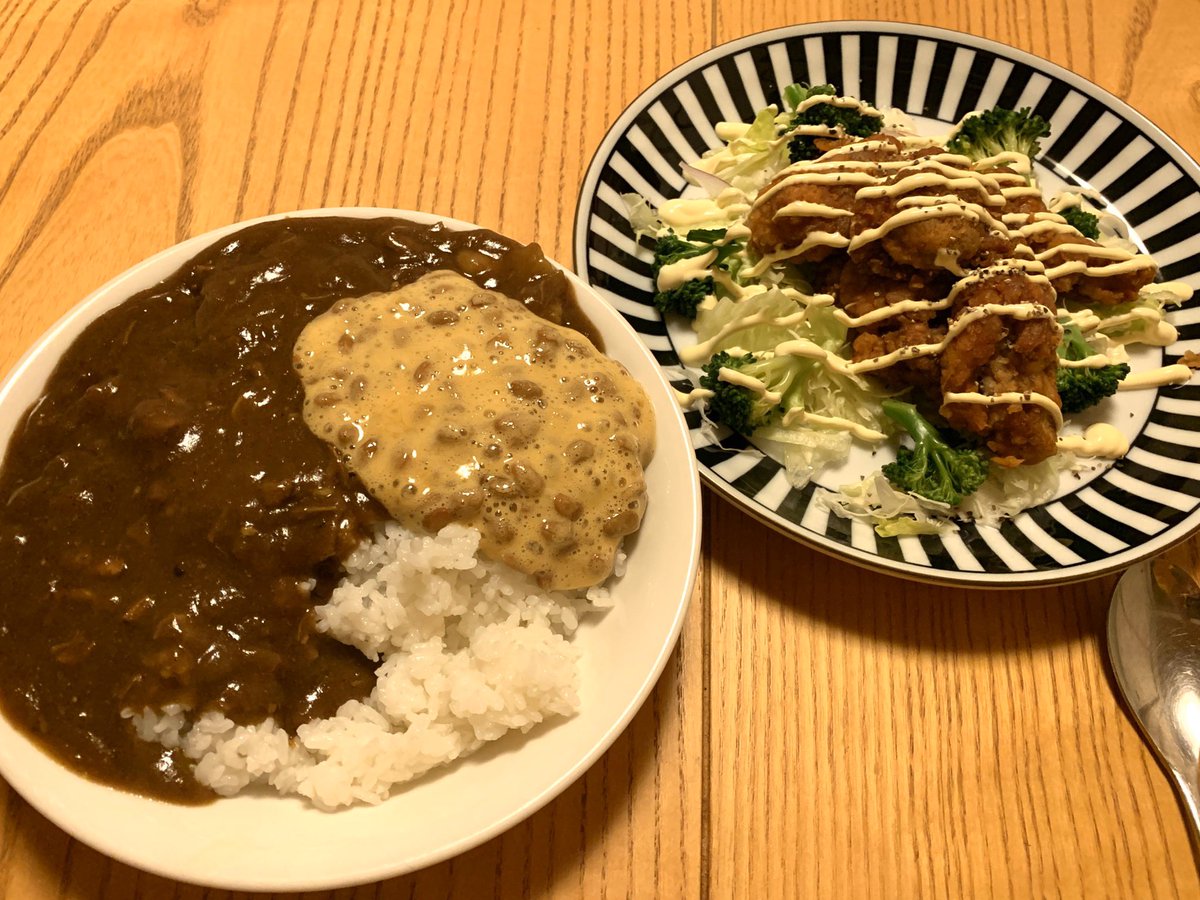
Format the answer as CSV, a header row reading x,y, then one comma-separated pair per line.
x,y
1100,522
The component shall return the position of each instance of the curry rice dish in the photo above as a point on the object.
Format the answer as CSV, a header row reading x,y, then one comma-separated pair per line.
x,y
173,531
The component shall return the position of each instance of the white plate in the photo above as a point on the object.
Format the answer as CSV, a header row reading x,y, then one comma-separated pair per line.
x,y
281,844
1106,520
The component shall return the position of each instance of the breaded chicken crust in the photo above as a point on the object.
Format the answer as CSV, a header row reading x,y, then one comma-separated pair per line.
x,y
860,292
1106,290
773,233
1000,353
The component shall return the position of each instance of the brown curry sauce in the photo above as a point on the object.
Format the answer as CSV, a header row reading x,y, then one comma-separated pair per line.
x,y
168,520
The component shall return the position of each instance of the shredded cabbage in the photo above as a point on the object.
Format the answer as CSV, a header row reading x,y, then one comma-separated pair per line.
x,y
892,512
1008,491
727,311
832,393
1151,305
803,451
818,388
642,216
749,161
1005,493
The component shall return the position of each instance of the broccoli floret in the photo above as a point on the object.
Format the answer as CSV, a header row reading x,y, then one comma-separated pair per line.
x,y
1082,221
684,299
670,248
851,119
740,408
932,468
998,131
1080,388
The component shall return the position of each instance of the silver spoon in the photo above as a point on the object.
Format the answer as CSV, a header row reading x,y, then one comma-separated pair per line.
x,y
1154,647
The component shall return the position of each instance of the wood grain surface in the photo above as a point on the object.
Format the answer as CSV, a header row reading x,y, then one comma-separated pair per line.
x,y
821,731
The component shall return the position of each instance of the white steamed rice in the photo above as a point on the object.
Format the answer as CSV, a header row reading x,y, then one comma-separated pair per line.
x,y
469,650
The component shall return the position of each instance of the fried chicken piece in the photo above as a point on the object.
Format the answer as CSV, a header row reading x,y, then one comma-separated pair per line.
x,y
860,292
1026,204
1001,353
995,248
1120,287
991,249
771,232
928,239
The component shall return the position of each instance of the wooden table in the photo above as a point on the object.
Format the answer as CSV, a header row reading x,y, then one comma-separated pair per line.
x,y
821,731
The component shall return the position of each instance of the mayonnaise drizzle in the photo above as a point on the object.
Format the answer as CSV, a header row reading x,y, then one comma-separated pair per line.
x,y
841,102
1094,250
697,353
686,213
812,239
1176,290
791,417
731,131
689,399
847,179
1095,361
1032,271
1010,159
1101,440
1029,190
1005,398
916,211
1080,266
1155,332
796,415
939,176
674,274
813,210
1174,374
750,383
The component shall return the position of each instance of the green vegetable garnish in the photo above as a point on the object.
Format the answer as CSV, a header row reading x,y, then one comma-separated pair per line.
x,y
932,468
